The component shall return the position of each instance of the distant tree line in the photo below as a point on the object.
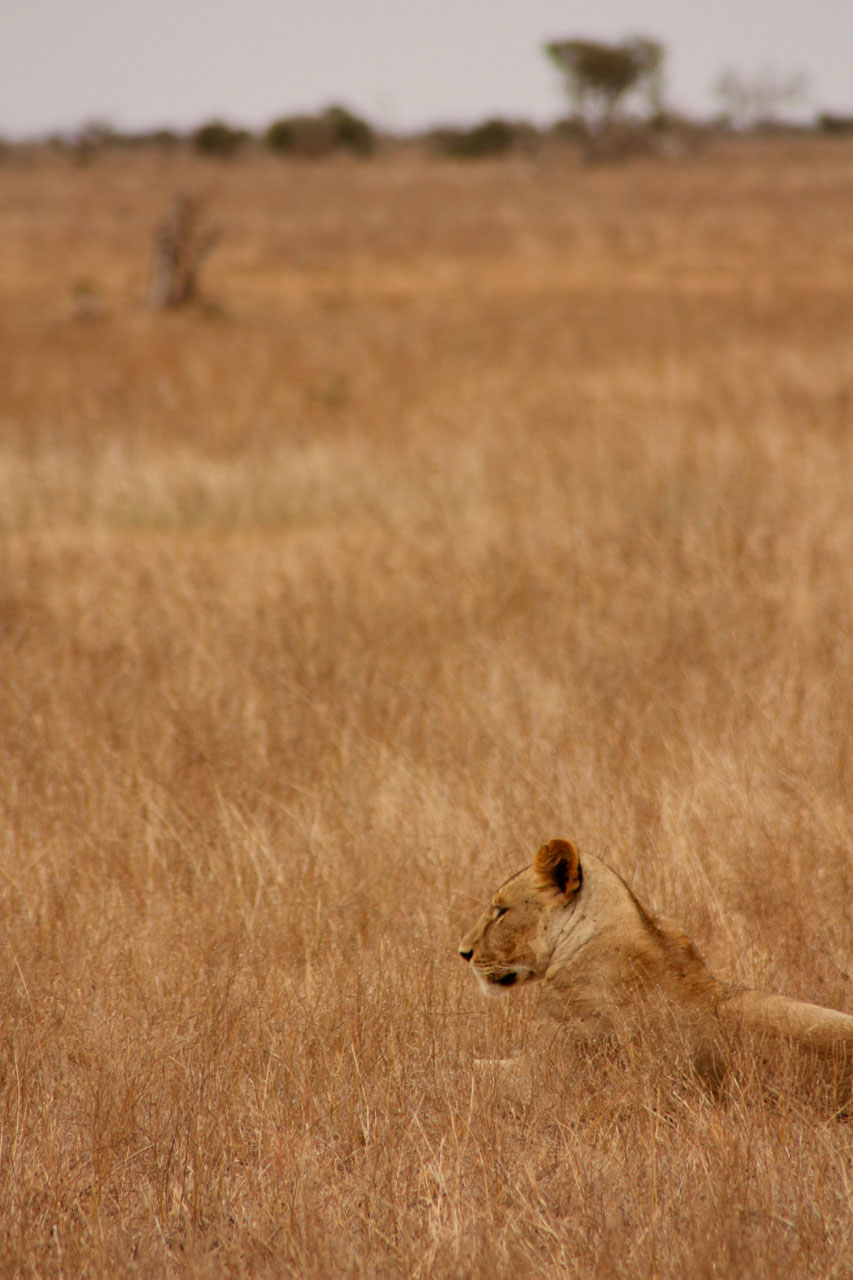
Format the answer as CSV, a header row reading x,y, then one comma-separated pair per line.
x,y
616,107
334,129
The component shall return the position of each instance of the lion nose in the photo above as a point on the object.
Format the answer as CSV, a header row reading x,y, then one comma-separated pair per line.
x,y
466,955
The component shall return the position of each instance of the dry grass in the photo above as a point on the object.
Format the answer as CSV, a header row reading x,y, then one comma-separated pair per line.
x,y
487,504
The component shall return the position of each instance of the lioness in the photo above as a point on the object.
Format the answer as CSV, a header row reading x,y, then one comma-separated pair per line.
x,y
609,966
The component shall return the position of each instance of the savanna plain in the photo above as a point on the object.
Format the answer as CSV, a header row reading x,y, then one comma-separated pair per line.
x,y
470,506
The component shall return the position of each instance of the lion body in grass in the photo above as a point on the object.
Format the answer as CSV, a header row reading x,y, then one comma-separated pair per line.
x,y
609,967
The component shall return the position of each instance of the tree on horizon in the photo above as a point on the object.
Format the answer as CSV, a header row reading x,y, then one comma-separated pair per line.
x,y
599,77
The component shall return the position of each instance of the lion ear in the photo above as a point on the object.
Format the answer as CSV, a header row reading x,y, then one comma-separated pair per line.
x,y
559,865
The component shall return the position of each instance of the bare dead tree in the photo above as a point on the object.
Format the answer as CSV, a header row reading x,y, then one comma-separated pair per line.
x,y
754,101
181,244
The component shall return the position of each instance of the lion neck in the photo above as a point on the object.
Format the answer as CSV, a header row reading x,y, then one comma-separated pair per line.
x,y
603,905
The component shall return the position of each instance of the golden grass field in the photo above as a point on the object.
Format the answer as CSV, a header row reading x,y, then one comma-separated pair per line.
x,y
474,505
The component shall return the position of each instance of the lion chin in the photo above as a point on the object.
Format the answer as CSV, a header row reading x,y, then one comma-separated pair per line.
x,y
606,965
496,981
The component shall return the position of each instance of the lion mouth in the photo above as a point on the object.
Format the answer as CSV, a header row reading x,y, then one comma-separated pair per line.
x,y
500,977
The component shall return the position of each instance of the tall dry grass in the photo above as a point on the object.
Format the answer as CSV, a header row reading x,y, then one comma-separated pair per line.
x,y
477,506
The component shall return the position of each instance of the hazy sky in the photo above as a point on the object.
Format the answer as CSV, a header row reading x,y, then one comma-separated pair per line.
x,y
138,63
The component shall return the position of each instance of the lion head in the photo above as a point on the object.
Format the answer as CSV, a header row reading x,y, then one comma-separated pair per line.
x,y
513,940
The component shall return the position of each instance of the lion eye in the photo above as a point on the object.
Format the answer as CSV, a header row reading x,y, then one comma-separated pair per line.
x,y
500,911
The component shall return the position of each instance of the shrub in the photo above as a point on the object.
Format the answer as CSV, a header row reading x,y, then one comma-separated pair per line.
x,y
350,132
830,123
92,139
281,135
491,138
165,139
314,136
218,139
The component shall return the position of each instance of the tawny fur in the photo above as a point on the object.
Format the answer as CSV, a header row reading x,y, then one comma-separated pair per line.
x,y
608,966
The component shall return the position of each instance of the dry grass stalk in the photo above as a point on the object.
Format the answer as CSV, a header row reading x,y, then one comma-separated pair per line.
x,y
181,245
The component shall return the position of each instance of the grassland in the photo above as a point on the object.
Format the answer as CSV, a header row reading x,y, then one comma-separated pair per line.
x,y
474,506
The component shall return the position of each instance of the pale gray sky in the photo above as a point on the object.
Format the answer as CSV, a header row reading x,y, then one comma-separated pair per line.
x,y
140,63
